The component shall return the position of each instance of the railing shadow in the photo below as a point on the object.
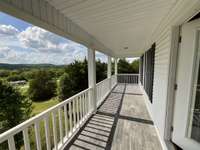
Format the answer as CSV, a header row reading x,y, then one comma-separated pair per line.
x,y
98,132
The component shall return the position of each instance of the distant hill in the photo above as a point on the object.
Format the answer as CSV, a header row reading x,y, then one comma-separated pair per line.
x,y
27,66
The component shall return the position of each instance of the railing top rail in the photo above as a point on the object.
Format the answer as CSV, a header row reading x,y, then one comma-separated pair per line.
x,y
121,74
4,136
102,81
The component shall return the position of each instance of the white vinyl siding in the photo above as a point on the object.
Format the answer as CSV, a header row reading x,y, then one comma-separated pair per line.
x,y
162,55
162,37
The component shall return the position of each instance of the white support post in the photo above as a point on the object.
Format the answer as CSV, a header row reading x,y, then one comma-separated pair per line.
x,y
116,71
109,71
109,67
92,78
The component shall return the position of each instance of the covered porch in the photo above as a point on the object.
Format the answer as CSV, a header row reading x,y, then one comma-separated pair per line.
x,y
121,122
114,113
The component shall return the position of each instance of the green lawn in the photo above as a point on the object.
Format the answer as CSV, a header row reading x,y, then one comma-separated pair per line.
x,y
39,107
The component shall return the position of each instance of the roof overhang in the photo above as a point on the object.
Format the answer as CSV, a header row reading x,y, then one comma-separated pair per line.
x,y
115,27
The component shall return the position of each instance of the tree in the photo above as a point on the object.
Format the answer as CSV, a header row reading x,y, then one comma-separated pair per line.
x,y
4,73
101,70
64,88
78,76
124,66
42,87
15,108
135,66
15,77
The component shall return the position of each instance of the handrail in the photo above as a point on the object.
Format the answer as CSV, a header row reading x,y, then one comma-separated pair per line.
x,y
102,81
30,121
75,109
125,74
77,106
128,78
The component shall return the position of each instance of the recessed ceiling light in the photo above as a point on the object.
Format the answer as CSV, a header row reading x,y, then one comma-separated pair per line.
x,y
125,47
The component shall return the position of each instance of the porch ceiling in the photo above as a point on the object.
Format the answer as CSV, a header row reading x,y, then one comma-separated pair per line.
x,y
118,24
120,28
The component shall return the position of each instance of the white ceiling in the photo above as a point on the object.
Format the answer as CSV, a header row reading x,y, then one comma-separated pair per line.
x,y
117,23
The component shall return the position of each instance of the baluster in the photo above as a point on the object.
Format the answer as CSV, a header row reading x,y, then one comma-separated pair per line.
x,y
37,136
78,110
135,79
26,139
66,120
47,132
54,131
83,105
70,117
81,109
87,104
97,93
74,114
11,143
60,124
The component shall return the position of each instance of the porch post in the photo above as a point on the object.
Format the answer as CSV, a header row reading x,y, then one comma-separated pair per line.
x,y
116,71
92,78
109,67
109,71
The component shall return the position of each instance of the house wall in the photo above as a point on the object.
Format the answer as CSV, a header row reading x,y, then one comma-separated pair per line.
x,y
180,13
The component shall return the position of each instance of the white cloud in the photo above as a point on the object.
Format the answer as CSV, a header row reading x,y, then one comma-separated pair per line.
x,y
102,57
130,60
8,30
42,40
36,45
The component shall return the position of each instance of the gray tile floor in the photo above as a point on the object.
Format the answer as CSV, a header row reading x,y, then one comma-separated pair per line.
x,y
122,122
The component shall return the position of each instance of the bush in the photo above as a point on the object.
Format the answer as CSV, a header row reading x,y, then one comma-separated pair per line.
x,y
64,88
15,78
135,66
101,71
4,73
42,87
14,107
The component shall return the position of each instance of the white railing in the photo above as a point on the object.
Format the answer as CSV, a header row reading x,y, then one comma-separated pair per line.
x,y
128,78
59,123
104,87
102,90
113,80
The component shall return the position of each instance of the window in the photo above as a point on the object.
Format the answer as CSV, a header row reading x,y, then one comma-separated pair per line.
x,y
147,71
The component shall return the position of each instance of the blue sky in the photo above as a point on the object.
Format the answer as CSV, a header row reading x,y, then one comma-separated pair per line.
x,y
23,43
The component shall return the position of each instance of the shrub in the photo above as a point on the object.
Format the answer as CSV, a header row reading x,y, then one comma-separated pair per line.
x,y
42,86
4,73
14,107
15,78
64,88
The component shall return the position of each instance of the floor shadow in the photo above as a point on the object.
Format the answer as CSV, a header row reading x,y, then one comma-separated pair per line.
x,y
98,132
139,94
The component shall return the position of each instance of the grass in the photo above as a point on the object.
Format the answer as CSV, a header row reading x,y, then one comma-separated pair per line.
x,y
39,107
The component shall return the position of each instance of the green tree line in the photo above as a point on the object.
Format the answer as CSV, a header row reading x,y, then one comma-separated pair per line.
x,y
15,107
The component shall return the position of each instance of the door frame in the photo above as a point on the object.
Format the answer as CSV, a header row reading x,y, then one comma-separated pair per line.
x,y
175,42
172,73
